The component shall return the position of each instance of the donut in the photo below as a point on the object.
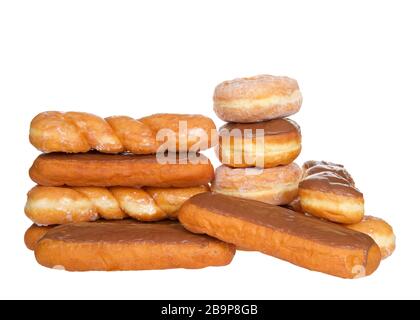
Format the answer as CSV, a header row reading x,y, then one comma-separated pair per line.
x,y
61,205
380,231
129,246
278,185
34,234
138,204
125,170
304,241
171,199
77,132
102,200
257,98
327,191
263,144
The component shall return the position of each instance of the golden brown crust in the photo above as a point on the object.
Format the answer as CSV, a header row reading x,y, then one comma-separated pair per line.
x,y
45,136
61,205
278,185
138,204
380,231
335,208
328,191
171,199
103,201
346,261
135,136
34,234
199,133
132,246
76,132
101,170
257,98
276,148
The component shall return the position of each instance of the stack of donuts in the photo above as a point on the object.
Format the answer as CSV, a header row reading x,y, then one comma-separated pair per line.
x,y
320,189
98,179
258,145
133,194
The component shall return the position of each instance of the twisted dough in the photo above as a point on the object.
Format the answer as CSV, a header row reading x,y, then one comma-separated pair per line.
x,y
57,205
75,132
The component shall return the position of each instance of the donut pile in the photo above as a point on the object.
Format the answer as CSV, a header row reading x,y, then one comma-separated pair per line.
x,y
320,189
107,198
99,181
258,136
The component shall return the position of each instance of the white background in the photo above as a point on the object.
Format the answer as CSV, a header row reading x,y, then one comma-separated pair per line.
x,y
357,63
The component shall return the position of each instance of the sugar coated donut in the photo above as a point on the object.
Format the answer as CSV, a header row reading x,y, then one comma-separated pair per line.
x,y
278,185
257,98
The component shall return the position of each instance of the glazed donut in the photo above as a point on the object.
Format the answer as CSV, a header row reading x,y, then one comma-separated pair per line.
x,y
258,98
138,204
102,200
34,234
76,132
126,170
263,144
129,246
304,241
59,205
49,205
278,185
380,231
171,199
328,191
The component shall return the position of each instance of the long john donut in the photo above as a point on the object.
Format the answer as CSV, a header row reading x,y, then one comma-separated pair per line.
x,y
76,132
305,241
115,246
56,205
128,170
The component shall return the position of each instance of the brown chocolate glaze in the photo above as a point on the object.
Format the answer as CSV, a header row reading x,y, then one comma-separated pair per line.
x,y
294,205
271,127
283,220
103,157
126,232
328,177
313,167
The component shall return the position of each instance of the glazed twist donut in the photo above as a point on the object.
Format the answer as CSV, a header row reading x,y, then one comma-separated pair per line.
x,y
59,205
75,132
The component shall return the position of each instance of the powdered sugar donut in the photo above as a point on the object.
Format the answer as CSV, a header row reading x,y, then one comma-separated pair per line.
x,y
278,185
257,98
